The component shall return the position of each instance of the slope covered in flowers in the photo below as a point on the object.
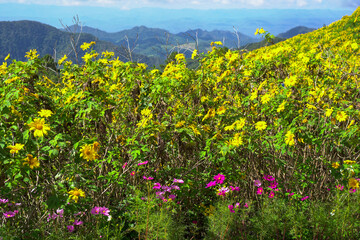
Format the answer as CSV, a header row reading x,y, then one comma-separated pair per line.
x,y
96,134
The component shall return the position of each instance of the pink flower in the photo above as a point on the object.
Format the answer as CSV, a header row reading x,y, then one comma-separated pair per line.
x,y
246,205
95,210
172,197
259,191
257,183
166,188
269,178
211,184
231,208
272,194
143,163
157,186
291,194
132,173
105,211
340,187
219,178
304,198
148,178
234,188
60,212
4,200
175,187
273,185
222,191
9,214
124,166
237,205
78,223
178,180
352,190
70,228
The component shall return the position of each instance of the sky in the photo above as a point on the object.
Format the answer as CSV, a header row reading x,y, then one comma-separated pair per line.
x,y
200,4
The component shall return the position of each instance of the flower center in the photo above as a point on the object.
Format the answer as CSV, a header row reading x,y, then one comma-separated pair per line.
x,y
39,126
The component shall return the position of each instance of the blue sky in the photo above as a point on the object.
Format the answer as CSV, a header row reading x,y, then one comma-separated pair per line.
x,y
200,4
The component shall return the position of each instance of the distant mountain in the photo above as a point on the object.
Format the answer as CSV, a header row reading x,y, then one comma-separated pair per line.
x,y
160,43
18,37
295,31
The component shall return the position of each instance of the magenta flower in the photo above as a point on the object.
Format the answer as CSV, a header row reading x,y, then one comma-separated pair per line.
x,y
269,178
124,166
259,191
273,185
9,214
234,188
148,178
16,211
60,212
95,210
166,188
231,208
352,190
79,213
237,205
172,196
340,187
178,180
157,186
70,228
291,194
160,195
211,184
4,200
175,187
222,191
257,183
105,211
78,223
219,178
143,163
246,205
272,194
304,198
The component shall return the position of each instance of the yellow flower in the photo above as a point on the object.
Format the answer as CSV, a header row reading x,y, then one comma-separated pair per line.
x,y
353,183
16,148
261,31
32,54
217,43
236,141
180,124
76,193
349,162
221,110
39,126
193,55
45,113
7,57
328,112
89,151
261,125
62,59
256,32
180,57
281,107
85,45
31,161
210,114
335,165
291,81
265,99
289,138
253,95
341,116
194,129
239,124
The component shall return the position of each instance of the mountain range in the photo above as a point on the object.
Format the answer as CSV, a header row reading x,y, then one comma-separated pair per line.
x,y
149,45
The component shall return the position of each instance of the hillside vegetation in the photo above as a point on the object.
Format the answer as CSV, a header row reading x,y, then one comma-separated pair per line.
x,y
262,144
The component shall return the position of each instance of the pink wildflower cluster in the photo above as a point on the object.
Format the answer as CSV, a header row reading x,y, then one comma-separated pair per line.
x,y
237,205
100,210
59,214
166,190
219,179
272,186
9,214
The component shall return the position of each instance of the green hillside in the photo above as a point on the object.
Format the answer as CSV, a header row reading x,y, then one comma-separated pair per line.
x,y
261,144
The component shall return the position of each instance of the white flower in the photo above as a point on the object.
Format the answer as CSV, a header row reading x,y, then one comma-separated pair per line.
x,y
109,218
